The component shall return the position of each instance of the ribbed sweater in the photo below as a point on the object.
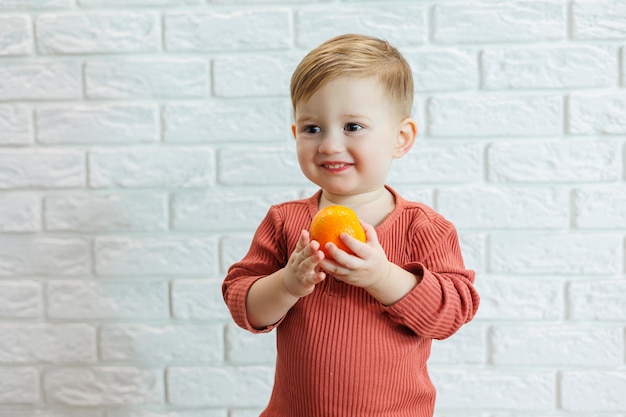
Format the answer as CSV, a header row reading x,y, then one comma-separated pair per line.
x,y
340,353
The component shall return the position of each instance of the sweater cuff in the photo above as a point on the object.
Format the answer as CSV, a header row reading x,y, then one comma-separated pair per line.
x,y
426,295
237,297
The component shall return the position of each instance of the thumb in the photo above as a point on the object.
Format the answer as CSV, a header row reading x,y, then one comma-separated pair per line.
x,y
370,232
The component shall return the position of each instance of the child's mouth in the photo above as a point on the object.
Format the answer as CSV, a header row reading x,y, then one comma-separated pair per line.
x,y
336,166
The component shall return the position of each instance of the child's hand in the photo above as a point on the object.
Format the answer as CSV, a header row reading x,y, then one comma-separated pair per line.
x,y
302,272
368,266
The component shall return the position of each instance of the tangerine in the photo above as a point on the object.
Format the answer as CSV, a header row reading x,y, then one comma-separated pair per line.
x,y
330,222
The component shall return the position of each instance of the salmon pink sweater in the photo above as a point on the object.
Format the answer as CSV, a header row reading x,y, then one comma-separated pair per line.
x,y
340,353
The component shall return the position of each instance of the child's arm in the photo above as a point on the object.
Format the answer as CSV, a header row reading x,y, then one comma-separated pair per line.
x,y
397,285
433,295
445,298
268,254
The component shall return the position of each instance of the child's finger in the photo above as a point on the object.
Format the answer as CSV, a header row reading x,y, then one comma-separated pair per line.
x,y
317,277
355,246
303,240
370,232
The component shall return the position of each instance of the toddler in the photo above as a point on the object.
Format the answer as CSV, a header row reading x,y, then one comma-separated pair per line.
x,y
354,331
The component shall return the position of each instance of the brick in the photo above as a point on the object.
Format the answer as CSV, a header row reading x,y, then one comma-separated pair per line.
x,y
233,248
494,115
253,75
474,250
593,391
222,121
401,26
148,78
515,21
19,385
47,412
235,31
162,413
246,412
54,168
15,35
596,113
623,72
554,161
429,163
598,19
155,255
520,298
494,207
103,386
85,33
600,208
15,125
43,255
198,300
100,123
248,386
466,347
455,413
107,212
117,3
223,210
443,70
35,4
151,167
40,80
415,193
85,300
308,2
20,213
165,343
245,348
549,67
597,300
20,299
495,389
47,343
259,166
556,345
557,253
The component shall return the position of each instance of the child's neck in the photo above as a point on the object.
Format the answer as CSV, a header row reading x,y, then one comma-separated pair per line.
x,y
372,207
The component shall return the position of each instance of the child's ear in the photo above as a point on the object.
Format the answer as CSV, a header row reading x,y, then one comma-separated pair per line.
x,y
293,130
406,137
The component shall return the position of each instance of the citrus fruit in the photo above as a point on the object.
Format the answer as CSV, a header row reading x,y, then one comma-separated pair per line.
x,y
330,222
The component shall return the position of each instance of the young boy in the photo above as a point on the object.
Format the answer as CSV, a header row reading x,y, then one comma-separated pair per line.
x,y
353,331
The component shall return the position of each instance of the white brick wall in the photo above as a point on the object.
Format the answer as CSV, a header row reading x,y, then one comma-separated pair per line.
x,y
141,141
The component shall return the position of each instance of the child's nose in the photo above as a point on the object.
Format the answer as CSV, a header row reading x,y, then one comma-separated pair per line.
x,y
331,143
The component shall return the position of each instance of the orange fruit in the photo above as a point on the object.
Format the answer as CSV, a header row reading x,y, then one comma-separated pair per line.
x,y
330,222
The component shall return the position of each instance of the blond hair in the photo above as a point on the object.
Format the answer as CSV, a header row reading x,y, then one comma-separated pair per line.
x,y
359,56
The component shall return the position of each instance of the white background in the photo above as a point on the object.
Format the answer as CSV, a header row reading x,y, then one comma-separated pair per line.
x,y
141,142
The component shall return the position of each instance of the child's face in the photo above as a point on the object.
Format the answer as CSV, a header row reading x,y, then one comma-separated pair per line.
x,y
347,135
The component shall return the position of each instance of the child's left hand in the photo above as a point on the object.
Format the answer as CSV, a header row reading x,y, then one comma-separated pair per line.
x,y
368,266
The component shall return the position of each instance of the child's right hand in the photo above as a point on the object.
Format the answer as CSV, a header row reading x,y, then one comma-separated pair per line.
x,y
302,272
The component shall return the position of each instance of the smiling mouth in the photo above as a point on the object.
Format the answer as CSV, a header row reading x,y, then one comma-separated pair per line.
x,y
336,166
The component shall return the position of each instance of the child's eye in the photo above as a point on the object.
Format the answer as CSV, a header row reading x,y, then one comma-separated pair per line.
x,y
353,127
312,129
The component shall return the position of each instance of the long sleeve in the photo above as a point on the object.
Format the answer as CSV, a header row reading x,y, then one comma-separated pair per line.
x,y
445,298
266,255
273,242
